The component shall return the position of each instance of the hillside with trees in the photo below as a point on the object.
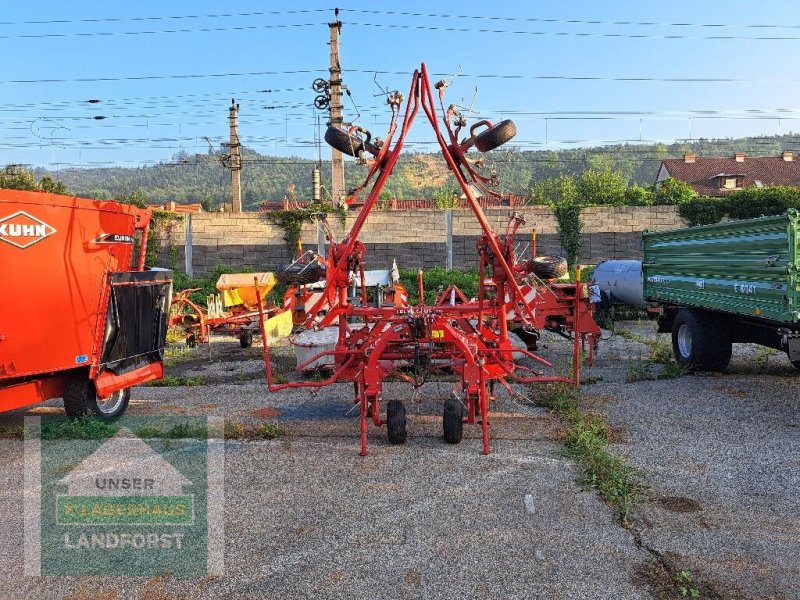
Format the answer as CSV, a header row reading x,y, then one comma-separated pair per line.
x,y
201,178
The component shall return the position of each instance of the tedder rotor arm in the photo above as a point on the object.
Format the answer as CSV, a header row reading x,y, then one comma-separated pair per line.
x,y
489,233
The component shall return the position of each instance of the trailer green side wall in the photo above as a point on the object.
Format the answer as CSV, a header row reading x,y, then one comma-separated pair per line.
x,y
744,267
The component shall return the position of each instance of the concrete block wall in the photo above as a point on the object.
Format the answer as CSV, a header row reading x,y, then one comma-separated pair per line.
x,y
416,239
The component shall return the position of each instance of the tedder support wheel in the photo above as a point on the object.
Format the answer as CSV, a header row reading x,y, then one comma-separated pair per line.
x,y
80,400
343,141
191,340
245,338
548,267
453,420
299,274
396,422
496,136
701,341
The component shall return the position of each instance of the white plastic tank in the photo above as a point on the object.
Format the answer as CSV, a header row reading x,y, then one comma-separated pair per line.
x,y
621,280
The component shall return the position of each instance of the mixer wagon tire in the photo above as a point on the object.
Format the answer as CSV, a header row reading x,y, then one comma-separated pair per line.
x,y
80,400
496,136
701,342
453,421
245,338
343,141
549,267
298,274
396,422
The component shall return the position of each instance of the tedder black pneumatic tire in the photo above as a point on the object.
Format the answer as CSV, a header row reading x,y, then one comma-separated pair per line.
x,y
701,341
548,267
496,136
343,141
245,338
453,420
396,422
80,400
298,274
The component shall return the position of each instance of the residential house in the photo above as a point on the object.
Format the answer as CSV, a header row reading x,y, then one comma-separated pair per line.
x,y
719,176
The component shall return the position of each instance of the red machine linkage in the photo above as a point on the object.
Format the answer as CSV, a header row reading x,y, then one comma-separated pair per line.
x,y
468,337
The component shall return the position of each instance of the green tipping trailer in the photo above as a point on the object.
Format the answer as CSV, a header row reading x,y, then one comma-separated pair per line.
x,y
733,282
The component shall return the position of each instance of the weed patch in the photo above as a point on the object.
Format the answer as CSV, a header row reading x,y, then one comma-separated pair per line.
x,y
82,428
586,442
177,381
235,430
16,432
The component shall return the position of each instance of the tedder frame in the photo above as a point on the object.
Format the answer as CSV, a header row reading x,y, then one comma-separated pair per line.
x,y
471,337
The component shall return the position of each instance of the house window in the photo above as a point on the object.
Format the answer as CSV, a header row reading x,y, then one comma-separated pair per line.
x,y
731,183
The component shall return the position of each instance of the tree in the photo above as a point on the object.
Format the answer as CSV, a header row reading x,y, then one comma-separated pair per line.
x,y
638,196
15,177
602,188
554,190
672,191
137,198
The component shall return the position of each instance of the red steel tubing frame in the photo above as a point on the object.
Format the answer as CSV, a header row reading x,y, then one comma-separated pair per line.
x,y
341,255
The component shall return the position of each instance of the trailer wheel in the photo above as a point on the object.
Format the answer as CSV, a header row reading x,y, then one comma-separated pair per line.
x,y
496,136
396,422
701,342
299,274
80,400
245,338
343,141
548,267
453,421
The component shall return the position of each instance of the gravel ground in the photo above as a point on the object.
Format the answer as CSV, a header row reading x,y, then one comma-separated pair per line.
x,y
307,517
720,455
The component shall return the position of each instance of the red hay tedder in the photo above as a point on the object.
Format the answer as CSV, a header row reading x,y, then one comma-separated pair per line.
x,y
469,336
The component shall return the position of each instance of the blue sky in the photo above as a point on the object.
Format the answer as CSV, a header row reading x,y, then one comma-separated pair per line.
x,y
519,60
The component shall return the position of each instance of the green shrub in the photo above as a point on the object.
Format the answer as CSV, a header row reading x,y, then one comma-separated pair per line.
x,y
755,202
703,210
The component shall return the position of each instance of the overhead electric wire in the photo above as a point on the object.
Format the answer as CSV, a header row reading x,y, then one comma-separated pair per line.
x,y
518,18
170,31
666,36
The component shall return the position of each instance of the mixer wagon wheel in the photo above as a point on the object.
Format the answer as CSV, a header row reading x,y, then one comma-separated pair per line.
x,y
496,136
80,400
396,422
548,267
453,420
299,274
343,141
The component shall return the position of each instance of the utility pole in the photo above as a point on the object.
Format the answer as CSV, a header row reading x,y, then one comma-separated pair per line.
x,y
236,158
337,161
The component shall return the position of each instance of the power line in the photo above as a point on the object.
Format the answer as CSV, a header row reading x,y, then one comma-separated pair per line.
x,y
666,36
161,31
165,18
160,77
516,19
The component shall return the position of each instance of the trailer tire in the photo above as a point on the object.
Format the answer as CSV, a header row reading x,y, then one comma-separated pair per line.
x,y
298,274
700,341
496,136
548,267
80,400
396,422
453,421
343,141
245,338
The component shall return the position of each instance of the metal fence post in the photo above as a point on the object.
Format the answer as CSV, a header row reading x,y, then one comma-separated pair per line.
x,y
448,219
188,248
